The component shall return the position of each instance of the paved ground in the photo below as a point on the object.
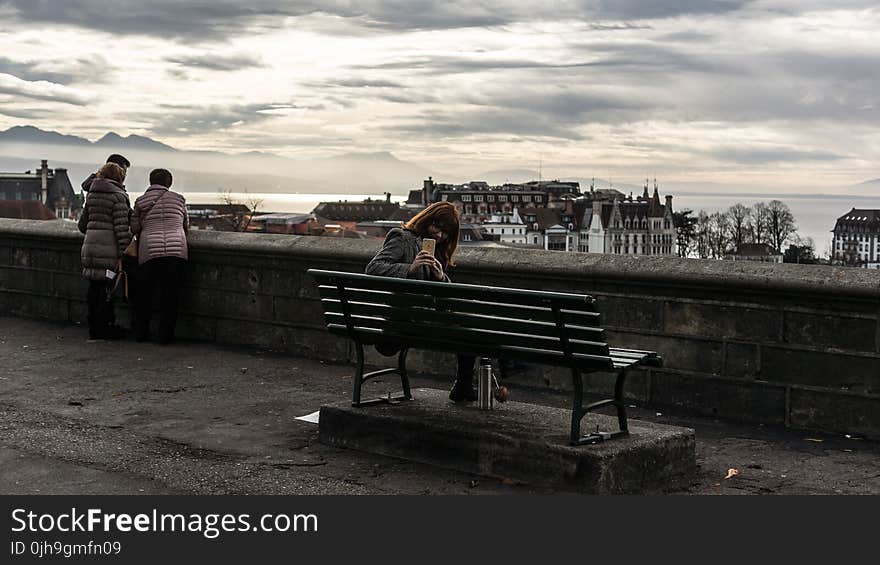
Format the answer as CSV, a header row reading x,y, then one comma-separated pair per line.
x,y
111,417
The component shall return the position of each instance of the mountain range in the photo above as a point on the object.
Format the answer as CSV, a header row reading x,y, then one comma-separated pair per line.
x,y
22,147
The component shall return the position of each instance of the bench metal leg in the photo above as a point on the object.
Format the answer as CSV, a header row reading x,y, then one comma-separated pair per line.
x,y
360,378
578,411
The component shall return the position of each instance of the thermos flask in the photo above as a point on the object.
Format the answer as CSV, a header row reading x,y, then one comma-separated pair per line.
x,y
485,399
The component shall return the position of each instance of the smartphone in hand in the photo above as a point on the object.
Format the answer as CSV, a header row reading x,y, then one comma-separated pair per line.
x,y
428,245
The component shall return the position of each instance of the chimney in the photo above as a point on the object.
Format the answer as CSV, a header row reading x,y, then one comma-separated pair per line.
x,y
44,180
388,197
669,203
427,189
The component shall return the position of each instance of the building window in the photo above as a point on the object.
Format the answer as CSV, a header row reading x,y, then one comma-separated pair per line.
x,y
502,198
490,198
478,198
465,197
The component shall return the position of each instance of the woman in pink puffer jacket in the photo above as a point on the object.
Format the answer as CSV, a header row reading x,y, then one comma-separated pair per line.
x,y
160,222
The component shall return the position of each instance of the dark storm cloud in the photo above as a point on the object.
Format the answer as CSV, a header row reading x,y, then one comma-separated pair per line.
x,y
219,19
40,90
213,62
363,83
478,123
762,155
60,71
23,113
198,119
194,20
644,57
551,111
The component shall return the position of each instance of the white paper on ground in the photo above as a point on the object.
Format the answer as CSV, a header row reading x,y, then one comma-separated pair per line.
x,y
312,418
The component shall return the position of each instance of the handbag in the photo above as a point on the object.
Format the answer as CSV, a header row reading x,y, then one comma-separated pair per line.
x,y
132,249
121,277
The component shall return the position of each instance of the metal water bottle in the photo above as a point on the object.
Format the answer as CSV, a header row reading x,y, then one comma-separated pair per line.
x,y
485,400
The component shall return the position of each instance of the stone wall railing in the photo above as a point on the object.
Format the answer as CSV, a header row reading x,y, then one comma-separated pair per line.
x,y
793,345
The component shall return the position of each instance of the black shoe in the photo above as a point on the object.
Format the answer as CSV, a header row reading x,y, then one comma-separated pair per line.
x,y
463,392
115,332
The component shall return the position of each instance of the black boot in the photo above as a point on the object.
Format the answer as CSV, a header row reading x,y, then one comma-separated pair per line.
x,y
463,391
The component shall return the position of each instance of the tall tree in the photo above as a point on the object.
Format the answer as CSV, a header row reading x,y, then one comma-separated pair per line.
x,y
685,231
781,223
739,223
759,222
702,235
719,234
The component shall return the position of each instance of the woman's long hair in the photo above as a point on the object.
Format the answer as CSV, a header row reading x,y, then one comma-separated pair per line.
x,y
445,217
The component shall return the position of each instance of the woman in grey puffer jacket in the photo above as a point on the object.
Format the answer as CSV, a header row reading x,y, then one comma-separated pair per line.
x,y
160,221
105,223
402,257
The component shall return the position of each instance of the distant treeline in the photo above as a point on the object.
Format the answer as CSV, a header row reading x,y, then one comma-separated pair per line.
x,y
711,236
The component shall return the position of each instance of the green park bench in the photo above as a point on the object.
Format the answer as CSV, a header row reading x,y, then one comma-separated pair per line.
x,y
551,328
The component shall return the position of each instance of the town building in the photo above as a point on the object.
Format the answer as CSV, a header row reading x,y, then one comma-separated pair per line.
x,y
555,215
218,217
856,240
760,252
50,187
296,224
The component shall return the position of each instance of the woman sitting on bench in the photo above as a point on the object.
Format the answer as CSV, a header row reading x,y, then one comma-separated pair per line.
x,y
403,256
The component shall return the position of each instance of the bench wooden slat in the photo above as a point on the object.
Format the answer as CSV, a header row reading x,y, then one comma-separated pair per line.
x,y
557,358
429,330
466,319
453,290
588,318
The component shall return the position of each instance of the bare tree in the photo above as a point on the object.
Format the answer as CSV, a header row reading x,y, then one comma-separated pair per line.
x,y
241,221
719,234
760,222
685,231
781,223
739,223
701,235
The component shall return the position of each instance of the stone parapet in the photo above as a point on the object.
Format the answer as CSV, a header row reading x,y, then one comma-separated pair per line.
x,y
795,345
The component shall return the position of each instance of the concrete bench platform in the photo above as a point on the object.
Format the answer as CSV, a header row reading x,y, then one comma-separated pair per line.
x,y
522,442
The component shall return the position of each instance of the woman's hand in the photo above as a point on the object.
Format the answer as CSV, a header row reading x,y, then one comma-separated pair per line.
x,y
427,260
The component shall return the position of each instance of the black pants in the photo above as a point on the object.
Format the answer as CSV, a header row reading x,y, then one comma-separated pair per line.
x,y
130,266
164,274
101,314
465,371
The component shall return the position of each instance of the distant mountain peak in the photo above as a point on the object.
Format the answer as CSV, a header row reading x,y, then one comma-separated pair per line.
x,y
31,134
132,141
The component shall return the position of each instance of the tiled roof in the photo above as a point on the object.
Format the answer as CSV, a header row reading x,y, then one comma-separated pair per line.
x,y
755,250
25,210
356,211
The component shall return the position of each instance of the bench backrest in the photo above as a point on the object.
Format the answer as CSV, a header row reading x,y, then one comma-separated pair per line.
x,y
549,327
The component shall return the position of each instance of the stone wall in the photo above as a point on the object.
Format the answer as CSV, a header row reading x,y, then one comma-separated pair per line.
x,y
793,345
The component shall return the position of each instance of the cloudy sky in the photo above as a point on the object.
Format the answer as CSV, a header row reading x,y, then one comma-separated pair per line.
x,y
766,91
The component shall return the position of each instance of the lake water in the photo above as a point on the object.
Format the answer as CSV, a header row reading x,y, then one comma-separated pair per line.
x,y
815,214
